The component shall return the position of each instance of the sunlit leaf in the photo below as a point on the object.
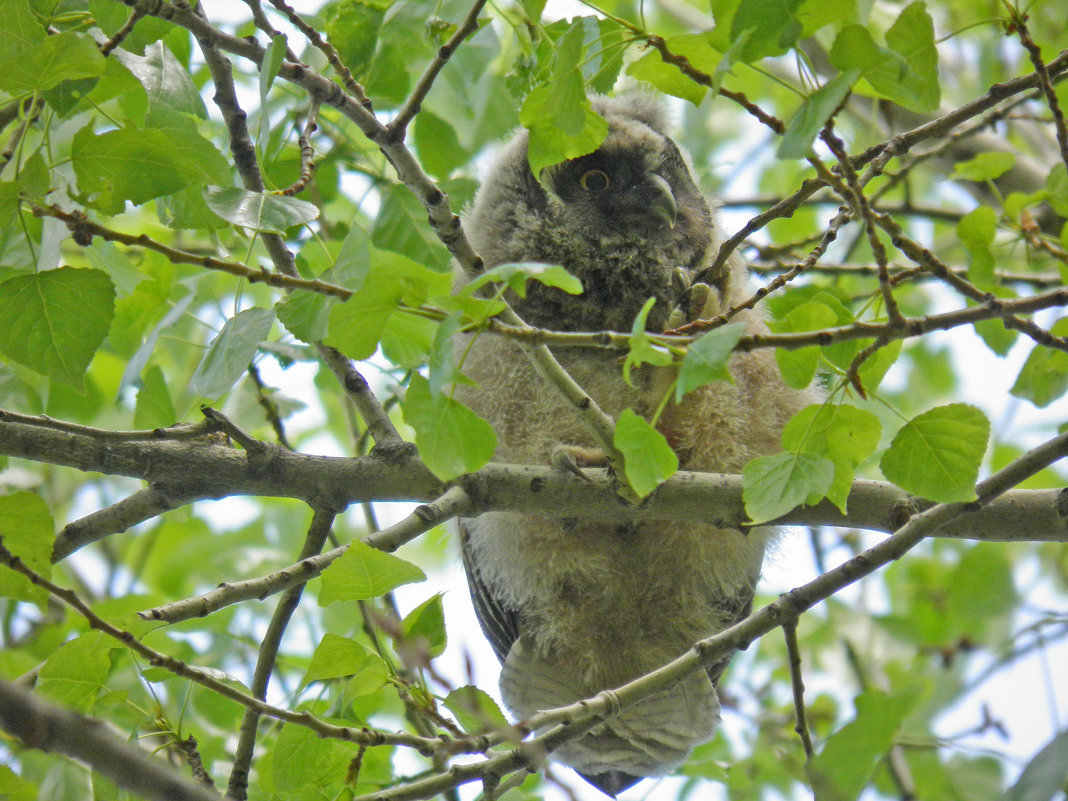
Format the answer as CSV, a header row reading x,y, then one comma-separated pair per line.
x,y
558,115
54,321
937,454
424,628
452,440
516,275
336,656
27,531
364,572
642,348
774,485
706,359
842,433
1044,376
647,458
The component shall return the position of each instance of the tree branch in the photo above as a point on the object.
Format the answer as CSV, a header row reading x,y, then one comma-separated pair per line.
x,y
209,470
454,503
47,727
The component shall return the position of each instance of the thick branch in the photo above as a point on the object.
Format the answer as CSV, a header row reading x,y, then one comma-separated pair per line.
x,y
40,724
208,470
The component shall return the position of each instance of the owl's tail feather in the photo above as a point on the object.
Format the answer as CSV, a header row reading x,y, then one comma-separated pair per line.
x,y
611,782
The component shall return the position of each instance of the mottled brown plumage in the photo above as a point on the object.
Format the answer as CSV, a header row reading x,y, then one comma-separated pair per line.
x,y
572,609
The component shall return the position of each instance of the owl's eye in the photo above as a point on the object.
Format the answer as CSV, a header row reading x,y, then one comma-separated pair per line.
x,y
595,181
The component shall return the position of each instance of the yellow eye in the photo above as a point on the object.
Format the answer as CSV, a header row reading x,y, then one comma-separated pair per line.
x,y
595,181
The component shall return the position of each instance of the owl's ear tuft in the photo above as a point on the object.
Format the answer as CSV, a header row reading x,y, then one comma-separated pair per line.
x,y
646,107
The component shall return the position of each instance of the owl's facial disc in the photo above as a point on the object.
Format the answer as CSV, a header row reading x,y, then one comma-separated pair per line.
x,y
615,191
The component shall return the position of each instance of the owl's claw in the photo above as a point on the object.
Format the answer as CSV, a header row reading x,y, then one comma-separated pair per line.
x,y
573,458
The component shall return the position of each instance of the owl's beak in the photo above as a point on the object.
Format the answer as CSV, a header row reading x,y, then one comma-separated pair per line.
x,y
657,201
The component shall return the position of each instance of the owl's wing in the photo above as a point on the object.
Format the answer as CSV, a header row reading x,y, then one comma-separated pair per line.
x,y
499,623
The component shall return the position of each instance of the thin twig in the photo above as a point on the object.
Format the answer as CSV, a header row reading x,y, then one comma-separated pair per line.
x,y
793,653
1019,21
399,125
455,502
307,152
208,679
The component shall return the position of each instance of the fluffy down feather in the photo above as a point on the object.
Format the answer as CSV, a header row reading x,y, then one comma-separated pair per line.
x,y
574,609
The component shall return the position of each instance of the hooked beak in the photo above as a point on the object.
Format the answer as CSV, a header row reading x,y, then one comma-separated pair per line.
x,y
653,204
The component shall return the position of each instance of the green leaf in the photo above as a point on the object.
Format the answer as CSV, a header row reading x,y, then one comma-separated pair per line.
x,y
135,165
166,81
66,56
452,440
336,656
154,408
305,314
21,31
978,227
260,211
774,485
980,587
668,78
976,230
424,628
401,227
475,711
353,28
1045,776
302,762
516,275
229,354
1044,376
772,26
648,460
442,363
54,321
356,326
642,349
27,531
272,60
984,167
75,673
807,122
848,759
407,339
561,122
798,366
907,73
844,434
937,454
14,788
363,572
875,368
1057,187
912,38
706,359
440,151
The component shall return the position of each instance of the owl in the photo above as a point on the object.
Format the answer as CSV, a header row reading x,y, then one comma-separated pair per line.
x,y
574,607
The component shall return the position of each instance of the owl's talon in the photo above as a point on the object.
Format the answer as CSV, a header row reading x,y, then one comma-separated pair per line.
x,y
572,459
697,301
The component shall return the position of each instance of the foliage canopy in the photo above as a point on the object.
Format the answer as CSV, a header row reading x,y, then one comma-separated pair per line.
x,y
226,240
